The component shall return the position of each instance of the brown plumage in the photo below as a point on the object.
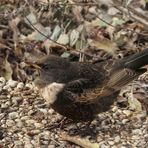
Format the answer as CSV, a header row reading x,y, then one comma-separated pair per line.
x,y
81,90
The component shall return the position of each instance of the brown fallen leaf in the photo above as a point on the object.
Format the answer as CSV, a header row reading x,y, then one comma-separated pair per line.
x,y
104,44
83,142
5,69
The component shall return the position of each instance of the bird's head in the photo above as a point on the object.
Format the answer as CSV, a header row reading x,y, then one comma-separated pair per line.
x,y
51,69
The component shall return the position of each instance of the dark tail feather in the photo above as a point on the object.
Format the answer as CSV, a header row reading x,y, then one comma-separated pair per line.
x,y
138,60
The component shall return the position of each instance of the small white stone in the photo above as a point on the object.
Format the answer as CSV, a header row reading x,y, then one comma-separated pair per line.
x,y
17,99
20,85
137,131
4,106
2,81
13,115
117,139
28,145
119,111
44,122
135,137
12,83
30,121
35,131
127,112
25,118
51,146
115,108
146,136
10,123
111,142
39,125
29,86
50,111
43,110
19,124
7,87
17,143
124,121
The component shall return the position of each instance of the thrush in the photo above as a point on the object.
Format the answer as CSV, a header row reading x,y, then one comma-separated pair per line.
x,y
80,90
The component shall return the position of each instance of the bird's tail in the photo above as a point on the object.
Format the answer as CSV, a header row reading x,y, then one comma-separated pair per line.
x,y
137,61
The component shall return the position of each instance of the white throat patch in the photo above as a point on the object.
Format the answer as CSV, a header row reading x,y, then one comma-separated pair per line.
x,y
49,93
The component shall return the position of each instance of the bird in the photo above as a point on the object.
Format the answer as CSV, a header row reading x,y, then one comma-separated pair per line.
x,y
82,90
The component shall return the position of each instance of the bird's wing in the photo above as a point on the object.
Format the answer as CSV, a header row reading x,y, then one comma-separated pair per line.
x,y
77,86
115,82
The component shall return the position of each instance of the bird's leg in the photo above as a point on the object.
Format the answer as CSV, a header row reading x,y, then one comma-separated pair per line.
x,y
59,123
65,121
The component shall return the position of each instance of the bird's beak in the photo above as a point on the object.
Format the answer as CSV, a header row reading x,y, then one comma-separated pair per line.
x,y
36,66
37,63
33,65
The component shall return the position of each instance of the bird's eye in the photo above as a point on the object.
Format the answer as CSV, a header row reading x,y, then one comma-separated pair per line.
x,y
45,66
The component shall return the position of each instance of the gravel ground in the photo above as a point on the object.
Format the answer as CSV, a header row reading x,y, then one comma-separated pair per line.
x,y
24,122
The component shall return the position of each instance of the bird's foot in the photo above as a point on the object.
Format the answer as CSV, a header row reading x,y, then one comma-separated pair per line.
x,y
59,124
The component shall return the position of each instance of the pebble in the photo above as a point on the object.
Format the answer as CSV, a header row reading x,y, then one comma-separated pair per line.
x,y
35,131
137,131
43,111
30,86
44,122
30,121
17,143
12,83
25,118
7,87
20,85
28,145
17,99
119,111
38,125
4,106
117,139
111,142
51,111
135,137
10,123
13,115
115,108
19,124
127,112
51,146
146,136
124,121
2,81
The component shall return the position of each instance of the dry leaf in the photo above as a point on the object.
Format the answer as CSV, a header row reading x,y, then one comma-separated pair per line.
x,y
74,35
134,103
36,35
63,39
6,70
104,44
56,32
85,143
